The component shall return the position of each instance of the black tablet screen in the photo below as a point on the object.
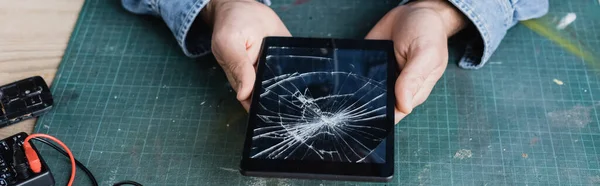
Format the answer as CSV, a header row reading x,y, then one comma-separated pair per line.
x,y
322,104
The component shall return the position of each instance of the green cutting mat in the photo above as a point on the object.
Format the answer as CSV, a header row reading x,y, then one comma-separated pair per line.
x,y
131,106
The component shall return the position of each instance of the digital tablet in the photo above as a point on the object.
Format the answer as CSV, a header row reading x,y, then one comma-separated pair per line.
x,y
322,109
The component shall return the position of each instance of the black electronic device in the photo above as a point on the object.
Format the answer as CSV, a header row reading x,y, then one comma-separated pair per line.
x,y
322,109
14,169
24,99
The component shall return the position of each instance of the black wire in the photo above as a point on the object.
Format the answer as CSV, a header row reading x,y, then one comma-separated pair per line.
x,y
128,182
79,164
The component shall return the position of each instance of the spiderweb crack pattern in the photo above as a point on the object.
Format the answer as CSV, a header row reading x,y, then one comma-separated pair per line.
x,y
304,117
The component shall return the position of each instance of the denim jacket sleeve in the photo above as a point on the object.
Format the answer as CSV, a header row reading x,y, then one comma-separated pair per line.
x,y
179,15
491,18
192,35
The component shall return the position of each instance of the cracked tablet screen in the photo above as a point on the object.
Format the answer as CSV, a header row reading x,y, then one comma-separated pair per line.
x,y
322,104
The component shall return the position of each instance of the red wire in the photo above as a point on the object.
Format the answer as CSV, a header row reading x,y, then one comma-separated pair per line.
x,y
33,159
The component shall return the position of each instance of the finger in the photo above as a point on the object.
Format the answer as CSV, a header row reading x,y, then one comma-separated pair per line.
x,y
383,29
253,47
246,77
428,86
420,96
398,116
253,51
380,32
420,65
246,104
233,57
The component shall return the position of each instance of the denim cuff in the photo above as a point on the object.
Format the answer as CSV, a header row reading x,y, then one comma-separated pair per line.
x,y
181,16
492,19
194,35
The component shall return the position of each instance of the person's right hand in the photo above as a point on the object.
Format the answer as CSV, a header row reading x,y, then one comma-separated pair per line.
x,y
239,27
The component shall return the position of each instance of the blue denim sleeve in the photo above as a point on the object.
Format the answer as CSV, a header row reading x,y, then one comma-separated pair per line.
x,y
492,19
193,35
180,17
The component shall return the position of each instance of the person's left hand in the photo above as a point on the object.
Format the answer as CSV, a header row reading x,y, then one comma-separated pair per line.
x,y
420,32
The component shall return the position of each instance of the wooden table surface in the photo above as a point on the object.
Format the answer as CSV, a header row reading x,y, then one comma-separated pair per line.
x,y
33,38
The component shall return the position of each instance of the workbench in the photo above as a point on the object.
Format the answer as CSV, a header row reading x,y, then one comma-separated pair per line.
x,y
33,38
132,107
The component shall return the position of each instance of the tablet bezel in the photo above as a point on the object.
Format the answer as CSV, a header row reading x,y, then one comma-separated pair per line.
x,y
321,169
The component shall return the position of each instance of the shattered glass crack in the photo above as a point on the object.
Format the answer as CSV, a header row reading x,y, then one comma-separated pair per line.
x,y
329,115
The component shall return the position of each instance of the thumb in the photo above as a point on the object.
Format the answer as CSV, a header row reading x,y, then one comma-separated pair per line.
x,y
383,29
245,75
412,78
423,68
238,67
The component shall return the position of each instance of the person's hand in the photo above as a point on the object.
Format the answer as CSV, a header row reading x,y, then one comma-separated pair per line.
x,y
239,27
420,32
